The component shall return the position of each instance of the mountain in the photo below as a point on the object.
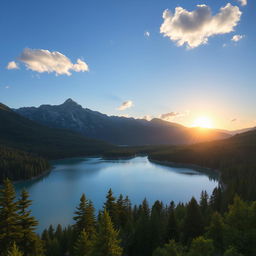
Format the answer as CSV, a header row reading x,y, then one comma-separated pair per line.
x,y
21,133
116,130
235,132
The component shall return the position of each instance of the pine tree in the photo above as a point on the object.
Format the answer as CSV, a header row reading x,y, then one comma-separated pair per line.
x,y
111,207
28,224
83,245
10,230
90,220
157,225
106,242
14,251
193,224
142,236
80,215
172,232
85,219
216,200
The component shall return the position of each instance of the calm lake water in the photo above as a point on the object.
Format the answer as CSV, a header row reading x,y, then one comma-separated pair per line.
x,y
56,195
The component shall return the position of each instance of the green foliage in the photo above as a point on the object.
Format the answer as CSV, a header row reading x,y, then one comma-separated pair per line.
x,y
9,218
170,249
16,224
232,252
83,245
215,231
106,241
240,229
201,247
193,223
84,217
29,242
111,207
14,251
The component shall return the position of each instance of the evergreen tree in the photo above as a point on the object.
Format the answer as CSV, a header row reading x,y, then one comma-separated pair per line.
x,y
14,251
80,215
193,223
172,232
111,207
83,245
106,241
28,224
10,230
84,217
239,230
142,236
216,231
157,225
216,200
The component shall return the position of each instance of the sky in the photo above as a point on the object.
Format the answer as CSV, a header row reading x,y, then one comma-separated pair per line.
x,y
178,60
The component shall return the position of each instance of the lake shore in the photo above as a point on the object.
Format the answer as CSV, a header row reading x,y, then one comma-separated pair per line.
x,y
199,168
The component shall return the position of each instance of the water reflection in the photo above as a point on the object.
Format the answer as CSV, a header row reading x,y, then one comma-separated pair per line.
x,y
57,194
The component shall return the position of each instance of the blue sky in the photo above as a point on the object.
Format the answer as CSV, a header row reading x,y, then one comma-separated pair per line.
x,y
216,79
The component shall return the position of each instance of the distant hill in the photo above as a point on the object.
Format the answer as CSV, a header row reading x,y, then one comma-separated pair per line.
x,y
116,130
234,158
21,133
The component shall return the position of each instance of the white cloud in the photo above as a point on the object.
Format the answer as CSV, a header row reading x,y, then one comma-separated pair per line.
x,y
40,60
125,105
12,65
195,27
147,34
237,38
169,116
243,2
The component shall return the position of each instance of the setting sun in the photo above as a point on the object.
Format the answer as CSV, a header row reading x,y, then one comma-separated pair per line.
x,y
203,122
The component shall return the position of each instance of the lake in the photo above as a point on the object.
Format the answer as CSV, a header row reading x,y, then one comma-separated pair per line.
x,y
56,195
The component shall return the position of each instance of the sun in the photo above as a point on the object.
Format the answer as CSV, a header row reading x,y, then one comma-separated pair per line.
x,y
203,122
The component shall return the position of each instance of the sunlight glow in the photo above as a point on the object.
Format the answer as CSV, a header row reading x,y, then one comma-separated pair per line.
x,y
203,122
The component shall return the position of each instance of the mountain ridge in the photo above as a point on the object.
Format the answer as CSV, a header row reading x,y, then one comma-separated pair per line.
x,y
114,129
21,133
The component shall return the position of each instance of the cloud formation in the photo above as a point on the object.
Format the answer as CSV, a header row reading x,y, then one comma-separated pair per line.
x,y
169,116
40,60
243,2
194,28
12,65
237,38
125,105
147,34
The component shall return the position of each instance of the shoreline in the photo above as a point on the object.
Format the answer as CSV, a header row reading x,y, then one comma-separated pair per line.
x,y
199,168
34,177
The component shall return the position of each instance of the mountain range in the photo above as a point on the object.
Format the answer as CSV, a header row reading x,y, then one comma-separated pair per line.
x,y
114,129
21,133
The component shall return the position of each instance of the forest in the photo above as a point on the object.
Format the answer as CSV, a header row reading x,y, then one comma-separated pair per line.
x,y
19,165
203,228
